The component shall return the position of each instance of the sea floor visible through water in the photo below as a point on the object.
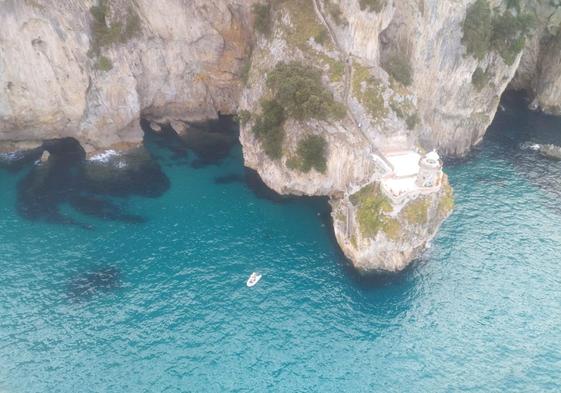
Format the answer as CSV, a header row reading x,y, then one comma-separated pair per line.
x,y
138,283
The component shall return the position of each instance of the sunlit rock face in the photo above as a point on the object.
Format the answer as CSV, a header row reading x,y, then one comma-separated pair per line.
x,y
58,79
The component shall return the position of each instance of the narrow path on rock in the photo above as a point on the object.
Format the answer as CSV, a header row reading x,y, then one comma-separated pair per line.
x,y
347,60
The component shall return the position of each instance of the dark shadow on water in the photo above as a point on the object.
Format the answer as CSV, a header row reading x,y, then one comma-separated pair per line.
x,y
253,181
67,177
513,129
97,207
211,141
260,190
84,286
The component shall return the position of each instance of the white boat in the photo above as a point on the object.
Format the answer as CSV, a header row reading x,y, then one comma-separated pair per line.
x,y
253,279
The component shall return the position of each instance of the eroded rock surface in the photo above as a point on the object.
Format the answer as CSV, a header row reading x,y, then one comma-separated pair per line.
x,y
365,79
59,78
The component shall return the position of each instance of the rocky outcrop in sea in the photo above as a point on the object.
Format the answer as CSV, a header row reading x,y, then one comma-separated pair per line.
x,y
325,90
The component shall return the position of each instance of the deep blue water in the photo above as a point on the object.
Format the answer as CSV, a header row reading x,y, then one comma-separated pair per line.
x,y
140,287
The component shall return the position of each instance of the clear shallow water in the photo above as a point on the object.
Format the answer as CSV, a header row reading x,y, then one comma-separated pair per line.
x,y
160,305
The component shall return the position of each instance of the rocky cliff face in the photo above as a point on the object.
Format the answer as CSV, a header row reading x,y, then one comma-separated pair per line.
x,y
184,60
539,73
324,88
376,234
64,73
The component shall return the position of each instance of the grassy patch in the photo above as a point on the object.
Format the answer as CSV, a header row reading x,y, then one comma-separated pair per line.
x,y
262,15
404,109
311,153
244,117
104,64
105,34
335,12
369,91
412,120
480,78
399,67
372,208
246,67
336,68
322,37
268,128
446,202
304,23
416,212
299,89
372,5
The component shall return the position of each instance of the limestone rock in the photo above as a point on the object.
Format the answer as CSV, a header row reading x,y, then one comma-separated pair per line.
x,y
539,73
52,84
552,152
178,126
45,156
155,127
377,235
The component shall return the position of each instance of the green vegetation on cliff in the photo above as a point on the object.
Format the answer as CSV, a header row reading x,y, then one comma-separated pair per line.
x,y
104,63
509,34
262,15
372,208
446,202
369,91
304,24
244,116
268,128
477,29
399,67
298,93
485,30
118,31
335,12
480,78
372,5
416,211
299,89
405,109
310,154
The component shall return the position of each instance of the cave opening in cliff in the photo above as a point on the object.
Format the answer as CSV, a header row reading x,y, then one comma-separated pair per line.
x,y
211,141
63,184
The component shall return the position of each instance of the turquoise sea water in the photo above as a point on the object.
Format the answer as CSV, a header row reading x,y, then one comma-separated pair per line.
x,y
155,300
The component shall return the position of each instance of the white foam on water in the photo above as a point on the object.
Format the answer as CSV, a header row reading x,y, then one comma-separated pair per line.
x,y
11,156
530,146
105,156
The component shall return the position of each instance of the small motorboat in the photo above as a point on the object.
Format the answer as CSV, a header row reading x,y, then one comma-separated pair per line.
x,y
253,279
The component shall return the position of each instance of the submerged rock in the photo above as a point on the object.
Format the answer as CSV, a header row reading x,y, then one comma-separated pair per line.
x,y
45,156
87,284
155,127
552,152
178,126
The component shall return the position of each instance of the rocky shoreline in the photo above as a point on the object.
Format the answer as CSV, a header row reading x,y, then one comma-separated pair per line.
x,y
324,90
